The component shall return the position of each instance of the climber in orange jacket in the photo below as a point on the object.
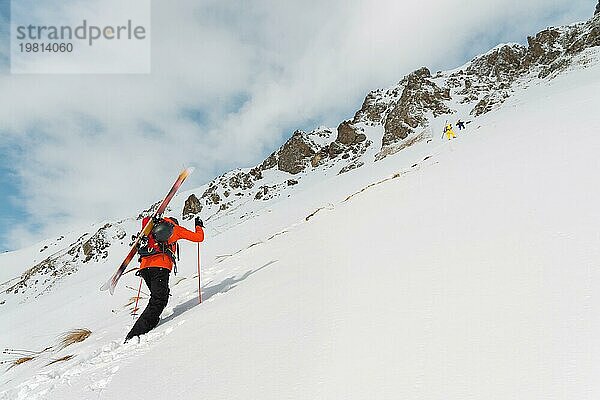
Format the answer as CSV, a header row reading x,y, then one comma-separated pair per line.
x,y
165,259
157,259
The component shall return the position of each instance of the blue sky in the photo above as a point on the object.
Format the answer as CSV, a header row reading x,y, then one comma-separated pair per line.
x,y
10,211
4,33
230,81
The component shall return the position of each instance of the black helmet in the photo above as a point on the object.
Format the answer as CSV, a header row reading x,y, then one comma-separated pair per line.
x,y
162,231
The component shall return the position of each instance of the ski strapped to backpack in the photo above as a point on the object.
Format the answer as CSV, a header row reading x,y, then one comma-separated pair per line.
x,y
111,284
158,240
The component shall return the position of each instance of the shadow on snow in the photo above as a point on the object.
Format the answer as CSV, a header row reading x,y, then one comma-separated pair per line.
x,y
208,292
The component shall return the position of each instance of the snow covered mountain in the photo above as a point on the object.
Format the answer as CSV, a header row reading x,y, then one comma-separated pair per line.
x,y
371,260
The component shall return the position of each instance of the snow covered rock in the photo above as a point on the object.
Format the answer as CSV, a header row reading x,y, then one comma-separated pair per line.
x,y
87,249
96,247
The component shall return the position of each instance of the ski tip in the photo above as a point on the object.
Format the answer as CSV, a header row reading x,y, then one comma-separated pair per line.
x,y
107,286
188,171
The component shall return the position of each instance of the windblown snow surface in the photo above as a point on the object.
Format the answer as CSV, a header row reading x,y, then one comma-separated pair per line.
x,y
460,270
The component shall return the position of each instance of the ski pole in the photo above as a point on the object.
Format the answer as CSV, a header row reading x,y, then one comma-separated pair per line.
x,y
444,130
199,284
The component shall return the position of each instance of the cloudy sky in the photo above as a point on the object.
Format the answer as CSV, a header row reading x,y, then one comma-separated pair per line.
x,y
230,80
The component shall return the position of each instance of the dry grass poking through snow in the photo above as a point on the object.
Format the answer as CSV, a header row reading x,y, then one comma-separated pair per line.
x,y
67,339
72,337
22,356
65,358
18,361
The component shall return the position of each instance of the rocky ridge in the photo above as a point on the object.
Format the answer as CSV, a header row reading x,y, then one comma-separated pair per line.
x,y
42,277
405,111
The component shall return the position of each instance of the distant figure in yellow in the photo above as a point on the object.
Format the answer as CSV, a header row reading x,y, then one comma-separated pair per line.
x,y
449,132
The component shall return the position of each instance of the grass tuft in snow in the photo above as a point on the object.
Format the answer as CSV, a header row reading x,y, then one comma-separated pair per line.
x,y
18,361
61,359
22,356
72,337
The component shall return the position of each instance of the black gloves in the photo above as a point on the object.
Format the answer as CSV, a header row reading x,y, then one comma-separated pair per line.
x,y
199,222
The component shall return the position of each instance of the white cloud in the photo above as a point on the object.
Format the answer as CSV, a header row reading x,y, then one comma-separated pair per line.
x,y
90,152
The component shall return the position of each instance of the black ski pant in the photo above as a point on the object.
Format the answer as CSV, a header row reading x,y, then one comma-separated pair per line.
x,y
157,280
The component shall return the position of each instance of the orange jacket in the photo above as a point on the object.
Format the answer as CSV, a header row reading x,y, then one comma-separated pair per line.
x,y
163,260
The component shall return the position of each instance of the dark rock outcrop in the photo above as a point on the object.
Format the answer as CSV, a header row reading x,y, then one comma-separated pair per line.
x,y
543,47
210,195
489,79
419,96
351,166
96,247
372,109
269,162
335,149
502,63
295,154
316,160
346,133
191,207
244,181
265,192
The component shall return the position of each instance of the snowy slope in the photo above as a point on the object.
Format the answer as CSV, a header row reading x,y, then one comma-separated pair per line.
x,y
462,270
474,276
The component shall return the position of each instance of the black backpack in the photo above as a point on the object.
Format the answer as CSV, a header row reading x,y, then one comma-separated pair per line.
x,y
157,242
